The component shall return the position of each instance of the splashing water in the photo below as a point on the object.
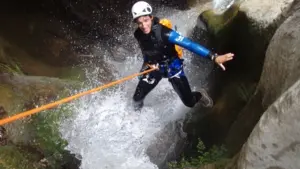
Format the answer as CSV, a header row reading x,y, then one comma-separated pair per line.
x,y
221,5
107,133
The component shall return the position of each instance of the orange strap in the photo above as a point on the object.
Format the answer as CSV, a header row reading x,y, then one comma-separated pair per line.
x,y
167,23
67,99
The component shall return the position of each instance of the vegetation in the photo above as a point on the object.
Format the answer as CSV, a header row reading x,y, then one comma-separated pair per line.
x,y
48,138
14,69
215,155
45,147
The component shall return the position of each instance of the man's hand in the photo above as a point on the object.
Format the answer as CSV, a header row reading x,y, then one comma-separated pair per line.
x,y
145,67
220,59
154,66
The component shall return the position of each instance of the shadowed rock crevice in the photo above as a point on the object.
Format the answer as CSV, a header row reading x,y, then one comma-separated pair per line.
x,y
240,97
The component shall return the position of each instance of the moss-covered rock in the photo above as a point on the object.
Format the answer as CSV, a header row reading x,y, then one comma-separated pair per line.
x,y
47,137
11,157
15,60
217,22
36,137
45,147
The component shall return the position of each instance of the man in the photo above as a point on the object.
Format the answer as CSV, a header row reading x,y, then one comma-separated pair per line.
x,y
158,44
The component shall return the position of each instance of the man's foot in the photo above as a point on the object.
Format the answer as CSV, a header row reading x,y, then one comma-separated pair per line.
x,y
138,105
205,100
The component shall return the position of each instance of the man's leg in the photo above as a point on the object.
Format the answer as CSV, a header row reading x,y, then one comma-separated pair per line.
x,y
189,98
145,85
182,88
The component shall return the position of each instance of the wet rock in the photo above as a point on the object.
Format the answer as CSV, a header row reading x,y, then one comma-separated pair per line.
x,y
3,136
3,133
41,37
36,137
231,89
167,145
266,13
12,157
19,93
3,113
280,71
281,68
275,140
216,22
14,60
238,101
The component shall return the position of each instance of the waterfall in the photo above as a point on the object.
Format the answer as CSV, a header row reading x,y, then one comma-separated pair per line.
x,y
105,132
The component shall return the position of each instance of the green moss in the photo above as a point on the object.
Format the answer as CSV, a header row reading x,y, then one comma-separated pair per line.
x,y
7,63
9,99
46,142
14,69
47,138
40,133
215,155
12,157
215,22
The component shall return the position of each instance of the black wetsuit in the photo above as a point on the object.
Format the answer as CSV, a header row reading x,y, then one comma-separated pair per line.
x,y
158,47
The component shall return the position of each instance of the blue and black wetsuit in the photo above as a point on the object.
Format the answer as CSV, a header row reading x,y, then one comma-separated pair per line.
x,y
158,47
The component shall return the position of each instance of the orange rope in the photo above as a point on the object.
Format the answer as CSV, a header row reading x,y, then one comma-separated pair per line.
x,y
67,99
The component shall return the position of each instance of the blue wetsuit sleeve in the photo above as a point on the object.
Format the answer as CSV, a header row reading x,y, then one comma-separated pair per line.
x,y
186,43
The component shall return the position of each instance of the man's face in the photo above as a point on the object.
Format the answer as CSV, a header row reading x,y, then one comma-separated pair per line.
x,y
144,23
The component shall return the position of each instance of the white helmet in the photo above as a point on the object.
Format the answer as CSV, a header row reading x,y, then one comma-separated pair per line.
x,y
140,8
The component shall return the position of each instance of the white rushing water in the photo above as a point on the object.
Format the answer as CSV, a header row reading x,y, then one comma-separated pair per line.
x,y
106,133
221,5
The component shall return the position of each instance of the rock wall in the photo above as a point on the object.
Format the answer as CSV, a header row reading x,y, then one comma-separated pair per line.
x,y
238,104
275,140
277,75
281,68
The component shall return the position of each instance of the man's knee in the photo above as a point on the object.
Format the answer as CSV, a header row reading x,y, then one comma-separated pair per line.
x,y
137,97
138,103
188,102
138,94
192,100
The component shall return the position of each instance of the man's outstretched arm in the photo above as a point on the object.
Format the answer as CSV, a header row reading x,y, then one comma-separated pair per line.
x,y
188,44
